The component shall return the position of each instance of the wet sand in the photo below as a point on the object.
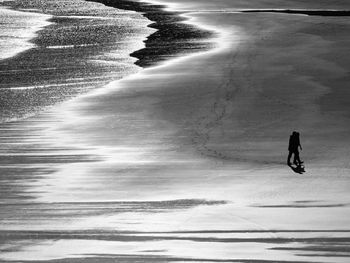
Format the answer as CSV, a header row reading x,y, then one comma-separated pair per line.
x,y
188,157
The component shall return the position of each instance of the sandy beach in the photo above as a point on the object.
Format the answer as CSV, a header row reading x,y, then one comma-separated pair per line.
x,y
184,160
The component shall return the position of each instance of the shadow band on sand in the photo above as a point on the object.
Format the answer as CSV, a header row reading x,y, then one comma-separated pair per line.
x,y
106,258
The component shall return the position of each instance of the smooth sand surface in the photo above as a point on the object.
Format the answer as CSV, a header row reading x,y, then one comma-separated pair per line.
x,y
210,126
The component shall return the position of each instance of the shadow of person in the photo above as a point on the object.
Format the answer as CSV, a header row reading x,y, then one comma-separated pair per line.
x,y
299,169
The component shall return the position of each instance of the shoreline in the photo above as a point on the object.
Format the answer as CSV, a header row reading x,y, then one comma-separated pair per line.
x,y
158,47
68,153
173,36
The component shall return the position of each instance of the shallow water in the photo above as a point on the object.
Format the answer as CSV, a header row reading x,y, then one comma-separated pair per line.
x,y
17,29
85,46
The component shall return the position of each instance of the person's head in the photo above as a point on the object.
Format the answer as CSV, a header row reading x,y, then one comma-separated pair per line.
x,y
295,133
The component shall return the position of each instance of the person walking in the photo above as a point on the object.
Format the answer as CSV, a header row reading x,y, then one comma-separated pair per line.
x,y
293,148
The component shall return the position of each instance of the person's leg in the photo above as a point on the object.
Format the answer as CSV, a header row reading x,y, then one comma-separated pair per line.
x,y
297,158
299,161
289,156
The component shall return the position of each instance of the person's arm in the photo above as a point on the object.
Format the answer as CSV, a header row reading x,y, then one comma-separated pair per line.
x,y
300,146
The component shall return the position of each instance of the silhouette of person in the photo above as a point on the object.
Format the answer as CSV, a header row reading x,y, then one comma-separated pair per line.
x,y
293,148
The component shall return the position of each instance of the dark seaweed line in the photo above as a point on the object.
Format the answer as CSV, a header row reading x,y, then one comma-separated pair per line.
x,y
172,38
302,12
